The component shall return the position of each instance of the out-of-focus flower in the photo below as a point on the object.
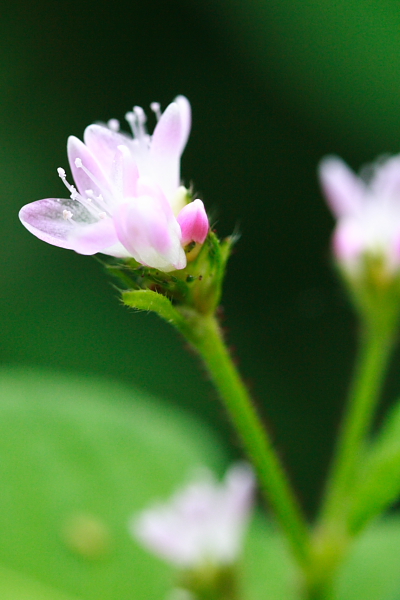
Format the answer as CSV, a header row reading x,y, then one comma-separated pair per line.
x,y
367,209
202,523
128,201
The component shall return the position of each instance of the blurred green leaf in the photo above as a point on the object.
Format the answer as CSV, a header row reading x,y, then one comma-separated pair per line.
x,y
14,586
372,569
378,485
268,571
77,457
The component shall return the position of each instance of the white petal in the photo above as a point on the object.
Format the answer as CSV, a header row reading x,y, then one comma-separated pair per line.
x,y
344,191
46,220
100,184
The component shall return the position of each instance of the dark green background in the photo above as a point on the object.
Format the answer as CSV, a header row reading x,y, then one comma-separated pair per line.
x,y
274,86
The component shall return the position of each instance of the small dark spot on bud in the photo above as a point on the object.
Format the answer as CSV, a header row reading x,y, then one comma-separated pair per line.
x,y
190,278
200,277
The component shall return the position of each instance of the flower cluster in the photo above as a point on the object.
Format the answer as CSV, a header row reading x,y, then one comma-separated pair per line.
x,y
128,200
203,523
368,212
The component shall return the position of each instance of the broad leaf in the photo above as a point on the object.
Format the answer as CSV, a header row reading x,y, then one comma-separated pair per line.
x,y
378,485
78,456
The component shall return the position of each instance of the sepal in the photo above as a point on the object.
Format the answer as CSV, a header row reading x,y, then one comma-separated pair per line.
x,y
375,293
195,289
211,582
147,300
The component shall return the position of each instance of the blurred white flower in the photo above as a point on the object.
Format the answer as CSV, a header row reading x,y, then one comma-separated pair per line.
x,y
367,209
202,523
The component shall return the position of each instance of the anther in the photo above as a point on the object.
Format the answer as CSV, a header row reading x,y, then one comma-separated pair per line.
x,y
113,124
61,172
156,108
67,214
78,163
102,215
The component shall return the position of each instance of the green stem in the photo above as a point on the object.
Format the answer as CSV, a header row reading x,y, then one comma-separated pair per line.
x,y
207,339
375,347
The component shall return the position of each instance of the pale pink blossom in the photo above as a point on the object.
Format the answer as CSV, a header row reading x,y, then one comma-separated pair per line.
x,y
202,523
367,209
128,197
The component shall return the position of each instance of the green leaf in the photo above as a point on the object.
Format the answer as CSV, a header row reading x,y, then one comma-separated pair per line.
x,y
79,456
268,570
378,485
371,571
14,586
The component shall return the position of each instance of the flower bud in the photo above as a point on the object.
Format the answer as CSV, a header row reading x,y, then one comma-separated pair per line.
x,y
194,223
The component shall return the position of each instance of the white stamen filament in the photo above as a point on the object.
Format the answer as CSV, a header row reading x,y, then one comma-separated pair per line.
x,y
75,195
99,199
137,120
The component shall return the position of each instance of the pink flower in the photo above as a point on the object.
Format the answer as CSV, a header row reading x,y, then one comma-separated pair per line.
x,y
128,201
367,209
202,523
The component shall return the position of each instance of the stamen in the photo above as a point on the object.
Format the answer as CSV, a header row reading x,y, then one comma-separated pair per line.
x,y
131,118
99,199
113,124
102,215
140,114
156,108
74,194
137,120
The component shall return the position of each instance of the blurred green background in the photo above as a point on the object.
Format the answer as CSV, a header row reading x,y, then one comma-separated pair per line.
x,y
274,85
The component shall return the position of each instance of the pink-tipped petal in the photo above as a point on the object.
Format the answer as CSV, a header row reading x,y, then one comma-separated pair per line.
x,y
166,148
194,223
343,189
46,219
185,112
103,144
77,150
149,234
168,133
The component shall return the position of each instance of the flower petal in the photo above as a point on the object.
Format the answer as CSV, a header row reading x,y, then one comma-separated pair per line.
x,y
100,184
343,189
186,118
46,220
349,242
97,237
149,234
386,179
166,149
103,144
